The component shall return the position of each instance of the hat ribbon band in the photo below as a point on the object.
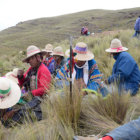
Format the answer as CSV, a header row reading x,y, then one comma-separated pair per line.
x,y
80,50
118,49
55,53
32,51
76,51
4,93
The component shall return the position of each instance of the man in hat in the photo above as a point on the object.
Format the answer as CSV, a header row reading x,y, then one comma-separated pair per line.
x,y
36,81
85,71
125,71
48,60
59,59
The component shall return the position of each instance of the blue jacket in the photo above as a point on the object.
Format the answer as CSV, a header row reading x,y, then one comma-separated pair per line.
x,y
129,131
126,73
94,75
137,25
51,66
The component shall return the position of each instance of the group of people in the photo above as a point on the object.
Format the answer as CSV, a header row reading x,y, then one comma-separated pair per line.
x,y
126,73
51,63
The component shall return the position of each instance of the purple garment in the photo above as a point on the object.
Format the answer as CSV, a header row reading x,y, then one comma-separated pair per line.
x,y
51,67
137,24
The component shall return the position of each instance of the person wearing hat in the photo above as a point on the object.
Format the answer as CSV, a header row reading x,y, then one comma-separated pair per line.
x,y
85,73
9,95
48,60
12,75
125,72
59,59
36,80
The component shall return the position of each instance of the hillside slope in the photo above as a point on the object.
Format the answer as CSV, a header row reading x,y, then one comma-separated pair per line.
x,y
49,30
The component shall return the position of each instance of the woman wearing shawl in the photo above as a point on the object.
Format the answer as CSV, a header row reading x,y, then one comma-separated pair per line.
x,y
85,71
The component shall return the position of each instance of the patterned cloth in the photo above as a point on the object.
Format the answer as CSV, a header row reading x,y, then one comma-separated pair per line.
x,y
58,67
94,75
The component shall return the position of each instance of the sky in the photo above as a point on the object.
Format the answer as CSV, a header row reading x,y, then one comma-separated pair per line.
x,y
15,11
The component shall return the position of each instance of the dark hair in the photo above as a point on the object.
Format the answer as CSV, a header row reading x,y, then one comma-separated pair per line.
x,y
62,57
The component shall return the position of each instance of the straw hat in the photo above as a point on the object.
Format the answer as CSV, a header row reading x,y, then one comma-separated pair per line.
x,y
116,46
82,52
12,75
48,48
9,93
58,51
31,50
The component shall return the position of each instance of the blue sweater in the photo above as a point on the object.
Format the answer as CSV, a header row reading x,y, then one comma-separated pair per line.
x,y
137,25
126,73
129,131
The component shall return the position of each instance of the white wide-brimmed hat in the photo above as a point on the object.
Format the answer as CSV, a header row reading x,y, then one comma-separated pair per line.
x,y
12,75
48,48
116,46
82,52
31,50
9,93
58,51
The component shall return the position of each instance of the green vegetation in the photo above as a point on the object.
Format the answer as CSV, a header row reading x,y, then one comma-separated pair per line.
x,y
55,29
63,118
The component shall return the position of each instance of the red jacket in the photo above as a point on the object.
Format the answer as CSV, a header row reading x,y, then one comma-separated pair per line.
x,y
43,80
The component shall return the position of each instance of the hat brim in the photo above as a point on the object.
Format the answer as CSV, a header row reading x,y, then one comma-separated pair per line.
x,y
13,98
46,51
57,54
84,57
9,76
25,60
110,50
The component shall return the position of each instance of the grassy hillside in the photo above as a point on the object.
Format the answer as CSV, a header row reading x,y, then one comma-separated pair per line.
x,y
63,119
49,30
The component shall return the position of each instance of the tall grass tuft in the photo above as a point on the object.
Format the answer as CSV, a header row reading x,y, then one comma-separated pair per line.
x,y
104,114
64,117
60,105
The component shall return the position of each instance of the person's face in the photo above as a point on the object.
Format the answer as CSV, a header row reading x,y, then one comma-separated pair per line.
x,y
33,61
113,54
79,63
56,58
47,54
